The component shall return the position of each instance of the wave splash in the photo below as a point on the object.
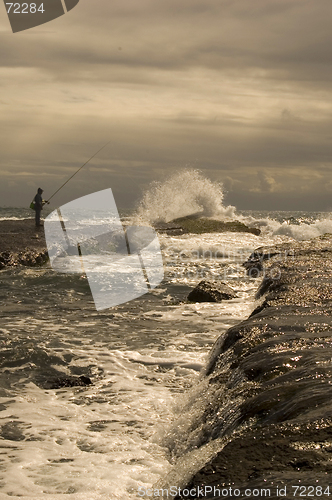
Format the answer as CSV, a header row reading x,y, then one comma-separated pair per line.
x,y
188,192
184,193
296,229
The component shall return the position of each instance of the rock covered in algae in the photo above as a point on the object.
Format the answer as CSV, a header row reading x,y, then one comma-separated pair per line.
x,y
200,225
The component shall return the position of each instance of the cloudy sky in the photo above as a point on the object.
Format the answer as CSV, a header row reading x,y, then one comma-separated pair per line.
x,y
240,89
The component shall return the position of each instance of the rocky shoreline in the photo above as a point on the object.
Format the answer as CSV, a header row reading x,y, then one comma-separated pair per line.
x,y
21,243
262,415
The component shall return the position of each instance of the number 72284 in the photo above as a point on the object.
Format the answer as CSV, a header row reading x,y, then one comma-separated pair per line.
x,y
25,8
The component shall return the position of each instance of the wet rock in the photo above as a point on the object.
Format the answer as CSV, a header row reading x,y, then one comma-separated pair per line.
x,y
60,382
199,225
169,228
264,403
22,244
208,291
29,257
255,461
12,431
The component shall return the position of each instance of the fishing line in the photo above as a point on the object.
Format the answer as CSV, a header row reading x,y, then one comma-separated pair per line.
x,y
77,171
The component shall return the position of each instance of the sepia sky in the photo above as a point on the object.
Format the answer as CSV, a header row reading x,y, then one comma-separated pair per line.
x,y
240,89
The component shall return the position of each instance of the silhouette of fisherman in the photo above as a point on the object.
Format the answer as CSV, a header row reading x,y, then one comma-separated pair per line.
x,y
39,202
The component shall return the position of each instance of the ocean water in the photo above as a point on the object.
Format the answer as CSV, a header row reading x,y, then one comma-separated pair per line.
x,y
108,439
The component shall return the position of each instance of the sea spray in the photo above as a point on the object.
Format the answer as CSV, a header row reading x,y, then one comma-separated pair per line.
x,y
188,192
299,228
184,193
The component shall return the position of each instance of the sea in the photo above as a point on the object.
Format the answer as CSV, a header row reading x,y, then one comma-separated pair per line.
x,y
110,439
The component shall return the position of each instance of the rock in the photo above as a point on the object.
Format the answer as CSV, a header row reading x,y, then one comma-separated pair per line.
x,y
60,382
208,291
29,257
200,225
169,228
12,431
263,409
22,244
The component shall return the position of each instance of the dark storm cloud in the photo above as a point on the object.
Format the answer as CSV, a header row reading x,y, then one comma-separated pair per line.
x,y
239,89
287,38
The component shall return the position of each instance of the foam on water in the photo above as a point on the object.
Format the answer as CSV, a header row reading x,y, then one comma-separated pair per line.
x,y
190,258
106,440
305,231
93,441
10,218
300,229
103,441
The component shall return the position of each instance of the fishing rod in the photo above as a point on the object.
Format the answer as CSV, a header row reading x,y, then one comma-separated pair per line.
x,y
76,172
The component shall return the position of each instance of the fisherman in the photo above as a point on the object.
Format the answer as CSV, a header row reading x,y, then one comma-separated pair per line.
x,y
39,202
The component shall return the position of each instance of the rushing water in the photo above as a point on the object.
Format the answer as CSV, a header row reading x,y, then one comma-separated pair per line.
x,y
106,440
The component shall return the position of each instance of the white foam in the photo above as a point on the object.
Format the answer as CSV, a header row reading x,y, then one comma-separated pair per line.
x,y
63,453
302,231
103,441
218,256
13,218
305,231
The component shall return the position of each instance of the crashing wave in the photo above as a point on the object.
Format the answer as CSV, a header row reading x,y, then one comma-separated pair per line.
x,y
185,193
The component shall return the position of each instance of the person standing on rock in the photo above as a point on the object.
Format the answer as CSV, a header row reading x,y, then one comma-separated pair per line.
x,y
39,202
